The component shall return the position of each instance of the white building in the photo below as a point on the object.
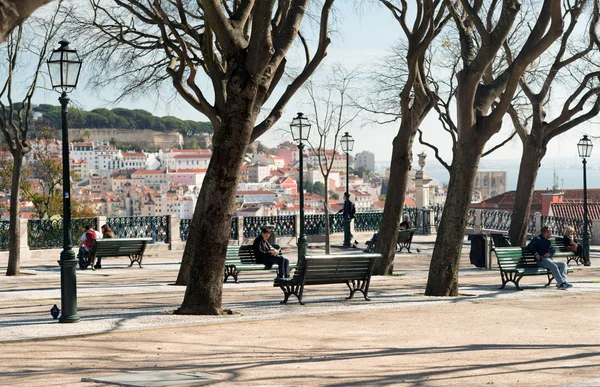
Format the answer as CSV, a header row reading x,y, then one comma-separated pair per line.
x,y
257,172
264,196
134,160
365,159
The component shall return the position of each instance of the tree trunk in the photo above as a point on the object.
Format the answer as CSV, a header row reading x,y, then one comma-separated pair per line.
x,y
394,201
326,220
528,170
443,271
14,235
209,232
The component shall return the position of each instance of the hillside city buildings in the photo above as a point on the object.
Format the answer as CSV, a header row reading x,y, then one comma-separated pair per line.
x,y
122,183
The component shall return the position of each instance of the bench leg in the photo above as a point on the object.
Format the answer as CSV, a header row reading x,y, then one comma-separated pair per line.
x,y
289,290
550,278
510,276
136,258
355,286
231,271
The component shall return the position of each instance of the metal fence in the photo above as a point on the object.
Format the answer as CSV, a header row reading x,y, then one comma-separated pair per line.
x,y
155,227
4,224
48,233
284,225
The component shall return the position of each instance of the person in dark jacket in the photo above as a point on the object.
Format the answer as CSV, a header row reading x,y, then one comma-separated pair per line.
x,y
572,244
543,251
405,224
268,256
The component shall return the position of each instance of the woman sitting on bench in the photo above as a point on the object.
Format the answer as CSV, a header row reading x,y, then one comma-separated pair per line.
x,y
572,244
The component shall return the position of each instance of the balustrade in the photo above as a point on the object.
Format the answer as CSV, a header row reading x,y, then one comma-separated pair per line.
x,y
4,235
284,225
48,233
155,227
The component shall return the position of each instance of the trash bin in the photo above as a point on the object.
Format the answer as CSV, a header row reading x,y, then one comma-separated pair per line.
x,y
477,253
500,240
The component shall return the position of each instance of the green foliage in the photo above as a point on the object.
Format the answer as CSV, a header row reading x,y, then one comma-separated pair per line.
x,y
120,118
319,188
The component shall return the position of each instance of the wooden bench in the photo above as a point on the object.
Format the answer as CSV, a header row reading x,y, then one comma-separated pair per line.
x,y
562,252
115,247
241,258
516,263
405,239
354,270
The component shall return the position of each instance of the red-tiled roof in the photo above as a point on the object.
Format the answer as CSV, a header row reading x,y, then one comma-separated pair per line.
x,y
192,156
575,210
409,202
568,195
135,154
264,192
148,172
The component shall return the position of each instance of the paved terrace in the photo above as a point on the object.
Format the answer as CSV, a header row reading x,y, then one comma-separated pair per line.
x,y
537,337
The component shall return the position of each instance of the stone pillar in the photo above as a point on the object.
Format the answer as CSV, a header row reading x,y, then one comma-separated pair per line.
x,y
240,230
538,223
100,221
24,240
477,228
174,232
432,229
297,222
422,180
595,232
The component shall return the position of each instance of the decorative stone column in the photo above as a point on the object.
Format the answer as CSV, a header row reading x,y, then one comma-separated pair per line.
x,y
595,232
538,223
240,230
24,240
422,180
477,229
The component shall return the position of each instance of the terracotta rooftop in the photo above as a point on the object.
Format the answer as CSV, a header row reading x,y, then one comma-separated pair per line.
x,y
575,210
568,195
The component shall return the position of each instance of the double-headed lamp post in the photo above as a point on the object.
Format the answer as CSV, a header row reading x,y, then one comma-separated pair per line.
x,y
584,147
347,143
300,128
64,66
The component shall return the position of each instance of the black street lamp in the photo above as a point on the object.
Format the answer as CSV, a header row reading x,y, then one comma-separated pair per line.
x,y
64,66
347,143
300,128
584,147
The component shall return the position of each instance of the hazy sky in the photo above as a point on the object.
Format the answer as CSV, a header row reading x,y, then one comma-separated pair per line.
x,y
361,38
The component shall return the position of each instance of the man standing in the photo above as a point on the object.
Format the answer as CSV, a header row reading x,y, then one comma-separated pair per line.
x,y
269,256
348,211
543,251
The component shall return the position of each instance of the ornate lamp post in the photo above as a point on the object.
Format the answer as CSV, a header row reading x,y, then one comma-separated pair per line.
x,y
300,128
64,66
347,143
584,147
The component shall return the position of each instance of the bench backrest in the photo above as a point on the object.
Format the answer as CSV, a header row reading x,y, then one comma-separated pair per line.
x,y
116,247
514,257
242,253
559,244
405,236
325,269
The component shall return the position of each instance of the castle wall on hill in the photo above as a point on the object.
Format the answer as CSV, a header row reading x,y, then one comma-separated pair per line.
x,y
153,138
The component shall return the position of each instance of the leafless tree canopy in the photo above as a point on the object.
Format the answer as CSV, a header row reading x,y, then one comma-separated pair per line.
x,y
195,44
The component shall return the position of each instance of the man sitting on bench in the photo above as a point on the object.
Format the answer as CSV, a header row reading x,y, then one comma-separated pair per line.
x,y
269,256
542,249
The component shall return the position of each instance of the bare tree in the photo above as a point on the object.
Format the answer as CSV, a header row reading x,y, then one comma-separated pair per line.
x,y
333,112
15,117
14,13
575,64
237,47
482,100
416,100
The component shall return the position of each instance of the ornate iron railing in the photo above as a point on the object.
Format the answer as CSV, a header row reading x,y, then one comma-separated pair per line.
x,y
4,235
495,220
413,216
336,223
471,218
155,227
184,229
48,233
557,225
284,225
368,221
531,224
234,233
315,224
437,214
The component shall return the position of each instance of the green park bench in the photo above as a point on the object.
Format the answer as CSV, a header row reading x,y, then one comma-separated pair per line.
x,y
354,270
241,258
561,252
115,247
517,262
404,239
